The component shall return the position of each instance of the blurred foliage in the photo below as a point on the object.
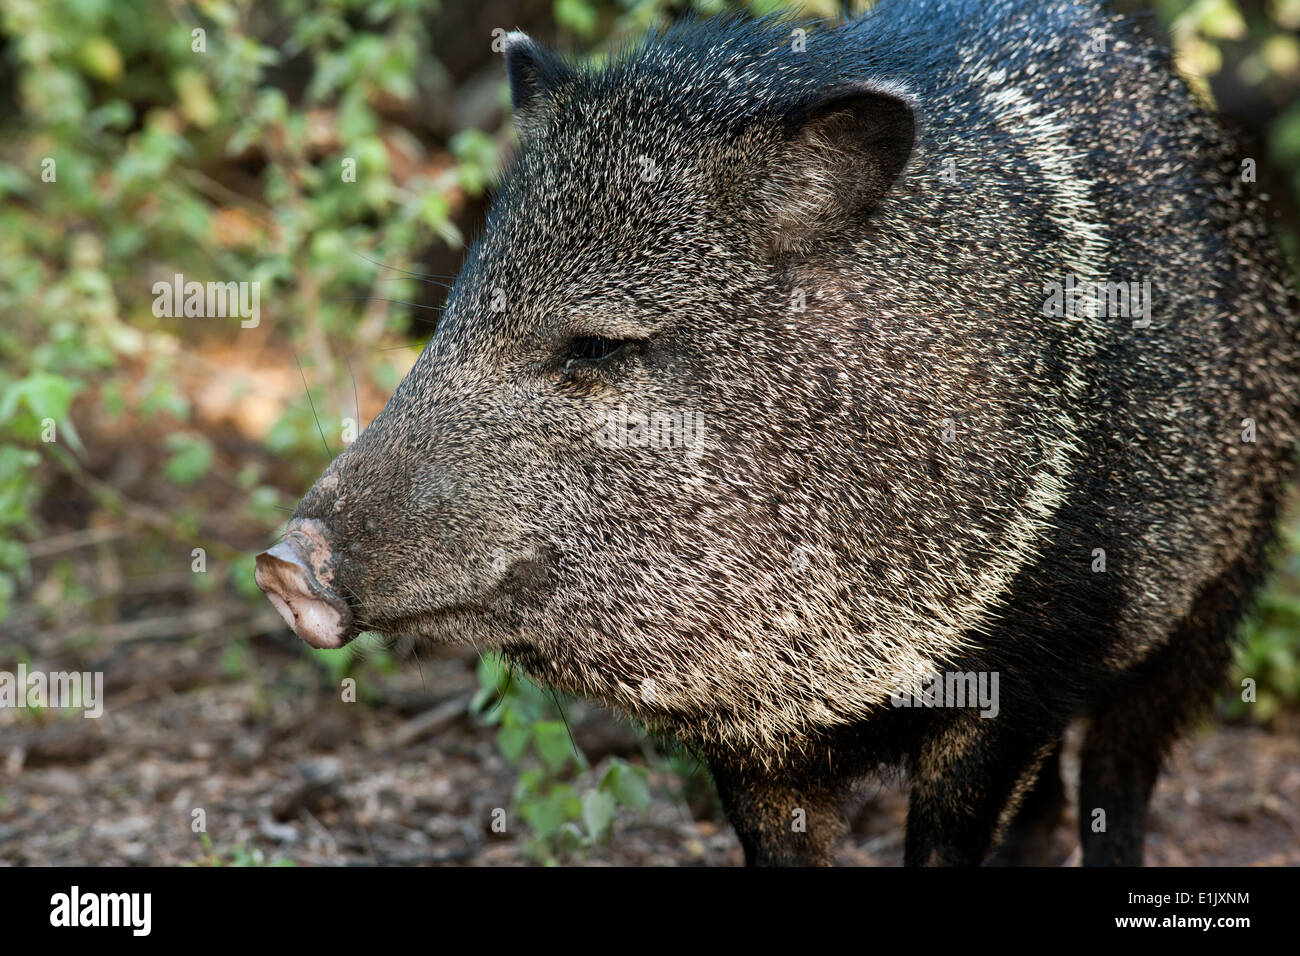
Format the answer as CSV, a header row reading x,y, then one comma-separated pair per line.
x,y
566,809
218,139
239,856
135,153
1243,56
1269,653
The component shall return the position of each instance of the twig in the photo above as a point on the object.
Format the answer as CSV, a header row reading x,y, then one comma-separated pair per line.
x,y
113,499
198,621
430,722
72,540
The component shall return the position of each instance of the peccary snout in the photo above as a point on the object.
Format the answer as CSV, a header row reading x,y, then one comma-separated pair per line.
x,y
295,574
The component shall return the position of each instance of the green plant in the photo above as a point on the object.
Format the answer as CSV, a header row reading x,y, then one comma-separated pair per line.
x,y
242,855
1269,651
567,808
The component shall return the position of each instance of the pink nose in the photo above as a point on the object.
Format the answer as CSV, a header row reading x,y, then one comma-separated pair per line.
x,y
314,612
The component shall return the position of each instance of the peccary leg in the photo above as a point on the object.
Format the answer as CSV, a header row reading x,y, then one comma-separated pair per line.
x,y
1029,838
1116,777
1127,741
966,782
783,821
1132,730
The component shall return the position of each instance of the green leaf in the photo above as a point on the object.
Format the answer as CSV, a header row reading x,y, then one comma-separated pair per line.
x,y
44,394
196,99
99,58
513,741
547,814
577,15
597,813
629,785
191,458
555,748
493,682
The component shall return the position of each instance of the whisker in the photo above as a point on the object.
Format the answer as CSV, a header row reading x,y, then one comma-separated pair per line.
x,y
564,718
503,690
413,275
419,664
361,605
426,276
356,401
313,406
380,298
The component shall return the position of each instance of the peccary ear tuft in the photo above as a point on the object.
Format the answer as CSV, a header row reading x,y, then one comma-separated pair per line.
x,y
841,155
534,73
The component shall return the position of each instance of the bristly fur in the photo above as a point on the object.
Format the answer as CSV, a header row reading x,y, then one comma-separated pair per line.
x,y
910,473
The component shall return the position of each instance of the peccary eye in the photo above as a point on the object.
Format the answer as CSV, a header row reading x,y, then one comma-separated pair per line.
x,y
590,349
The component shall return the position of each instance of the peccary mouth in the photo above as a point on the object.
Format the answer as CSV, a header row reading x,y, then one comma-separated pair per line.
x,y
433,622
510,594
301,578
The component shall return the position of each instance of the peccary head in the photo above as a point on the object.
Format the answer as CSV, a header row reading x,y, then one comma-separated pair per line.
x,y
654,450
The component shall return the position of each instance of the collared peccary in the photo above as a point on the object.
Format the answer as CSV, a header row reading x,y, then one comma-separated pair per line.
x,y
989,370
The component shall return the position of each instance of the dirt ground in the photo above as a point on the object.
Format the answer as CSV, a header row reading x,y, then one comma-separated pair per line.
x,y
285,771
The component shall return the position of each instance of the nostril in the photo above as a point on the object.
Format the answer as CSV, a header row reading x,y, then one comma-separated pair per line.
x,y
313,611
309,545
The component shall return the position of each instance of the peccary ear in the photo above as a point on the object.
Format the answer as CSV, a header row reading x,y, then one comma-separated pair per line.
x,y
842,153
534,73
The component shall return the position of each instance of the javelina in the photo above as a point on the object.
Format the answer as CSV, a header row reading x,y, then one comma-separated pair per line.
x,y
997,376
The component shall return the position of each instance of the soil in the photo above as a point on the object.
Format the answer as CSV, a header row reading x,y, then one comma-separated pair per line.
x,y
284,770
